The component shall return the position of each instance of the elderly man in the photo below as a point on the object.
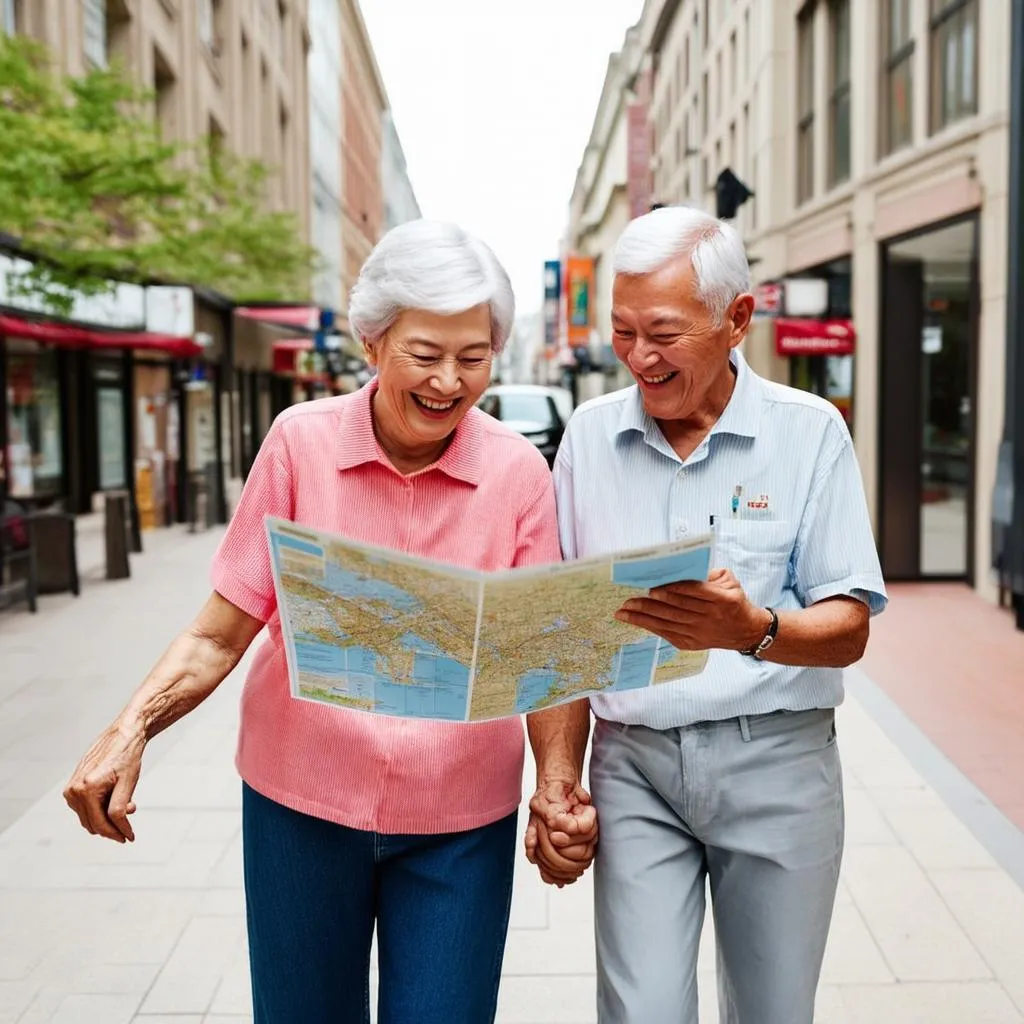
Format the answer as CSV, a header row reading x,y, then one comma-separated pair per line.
x,y
731,776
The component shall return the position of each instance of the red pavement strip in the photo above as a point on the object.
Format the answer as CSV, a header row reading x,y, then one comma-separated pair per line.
x,y
955,665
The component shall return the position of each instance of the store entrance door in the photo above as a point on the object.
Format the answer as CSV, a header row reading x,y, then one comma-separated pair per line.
x,y
929,353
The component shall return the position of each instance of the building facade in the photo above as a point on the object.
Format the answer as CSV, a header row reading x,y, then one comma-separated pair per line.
x,y
400,204
601,207
874,139
325,141
363,102
165,407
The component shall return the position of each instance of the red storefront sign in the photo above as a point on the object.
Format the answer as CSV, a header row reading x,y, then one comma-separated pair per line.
x,y
768,298
814,337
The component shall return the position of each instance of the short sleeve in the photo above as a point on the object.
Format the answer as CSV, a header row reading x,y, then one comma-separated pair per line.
x,y
241,570
564,501
835,552
537,527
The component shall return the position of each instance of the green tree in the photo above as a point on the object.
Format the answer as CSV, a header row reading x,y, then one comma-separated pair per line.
x,y
88,186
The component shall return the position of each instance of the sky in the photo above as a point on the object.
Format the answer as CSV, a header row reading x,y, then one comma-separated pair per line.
x,y
494,101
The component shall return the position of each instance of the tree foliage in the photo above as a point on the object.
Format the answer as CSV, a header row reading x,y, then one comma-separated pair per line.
x,y
89,187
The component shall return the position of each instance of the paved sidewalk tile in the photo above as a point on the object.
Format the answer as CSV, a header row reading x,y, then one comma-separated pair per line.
x,y
928,929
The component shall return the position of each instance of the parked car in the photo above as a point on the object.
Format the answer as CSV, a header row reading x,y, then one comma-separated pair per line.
x,y
537,412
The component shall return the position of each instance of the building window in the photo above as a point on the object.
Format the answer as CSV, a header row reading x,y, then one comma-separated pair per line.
x,y
732,63
282,33
704,103
755,190
719,85
94,32
166,97
954,79
805,105
746,44
204,15
897,74
34,448
9,20
686,63
839,101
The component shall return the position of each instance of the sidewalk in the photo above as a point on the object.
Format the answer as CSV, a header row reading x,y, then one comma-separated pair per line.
x,y
929,928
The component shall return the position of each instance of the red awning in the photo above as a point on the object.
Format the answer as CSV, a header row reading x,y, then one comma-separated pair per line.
x,y
814,337
306,318
71,336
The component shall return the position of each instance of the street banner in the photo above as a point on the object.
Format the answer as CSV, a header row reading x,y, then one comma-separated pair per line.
x,y
579,291
552,302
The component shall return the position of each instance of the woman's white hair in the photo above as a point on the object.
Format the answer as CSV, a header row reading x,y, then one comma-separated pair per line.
x,y
715,248
434,267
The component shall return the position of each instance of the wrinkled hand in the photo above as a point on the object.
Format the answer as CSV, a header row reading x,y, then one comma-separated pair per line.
x,y
561,836
695,616
101,788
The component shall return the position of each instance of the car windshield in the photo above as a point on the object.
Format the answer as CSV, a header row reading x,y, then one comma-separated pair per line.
x,y
522,407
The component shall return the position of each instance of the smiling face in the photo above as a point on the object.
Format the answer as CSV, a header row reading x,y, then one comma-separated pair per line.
x,y
431,369
670,342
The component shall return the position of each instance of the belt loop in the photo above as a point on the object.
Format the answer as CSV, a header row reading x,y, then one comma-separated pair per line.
x,y
744,728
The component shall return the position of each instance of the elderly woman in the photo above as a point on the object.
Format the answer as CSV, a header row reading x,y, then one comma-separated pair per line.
x,y
352,820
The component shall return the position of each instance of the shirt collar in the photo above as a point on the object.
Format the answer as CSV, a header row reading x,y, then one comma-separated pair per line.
x,y
741,416
357,444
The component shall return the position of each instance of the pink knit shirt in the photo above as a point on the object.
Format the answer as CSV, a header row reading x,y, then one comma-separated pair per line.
x,y
487,503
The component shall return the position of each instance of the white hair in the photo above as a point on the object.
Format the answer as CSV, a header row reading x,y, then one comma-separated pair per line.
x,y
433,267
716,252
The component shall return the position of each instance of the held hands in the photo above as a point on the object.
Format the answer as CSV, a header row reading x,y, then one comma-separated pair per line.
x,y
561,836
696,616
101,788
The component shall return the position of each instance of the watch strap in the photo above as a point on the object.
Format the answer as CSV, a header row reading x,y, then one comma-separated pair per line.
x,y
767,640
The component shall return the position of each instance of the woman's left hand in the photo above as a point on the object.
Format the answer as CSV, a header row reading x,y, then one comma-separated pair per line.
x,y
561,836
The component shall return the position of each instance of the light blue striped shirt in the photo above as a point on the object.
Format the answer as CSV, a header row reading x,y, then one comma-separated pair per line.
x,y
800,532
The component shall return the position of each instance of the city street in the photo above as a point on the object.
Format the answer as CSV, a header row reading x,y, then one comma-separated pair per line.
x,y
928,928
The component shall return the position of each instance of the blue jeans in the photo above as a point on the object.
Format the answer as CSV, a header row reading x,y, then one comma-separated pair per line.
x,y
314,891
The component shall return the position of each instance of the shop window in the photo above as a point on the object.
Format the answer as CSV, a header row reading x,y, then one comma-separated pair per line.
x,y
839,101
11,16
805,106
829,377
35,465
954,64
897,76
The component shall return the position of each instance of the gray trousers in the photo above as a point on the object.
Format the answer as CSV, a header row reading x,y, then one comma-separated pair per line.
x,y
755,805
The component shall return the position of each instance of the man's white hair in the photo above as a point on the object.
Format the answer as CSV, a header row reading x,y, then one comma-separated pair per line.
x,y
434,267
715,248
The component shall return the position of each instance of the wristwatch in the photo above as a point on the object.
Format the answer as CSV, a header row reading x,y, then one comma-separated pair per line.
x,y
767,640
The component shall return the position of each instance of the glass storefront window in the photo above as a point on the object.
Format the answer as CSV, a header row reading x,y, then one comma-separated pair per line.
x,y
943,263
829,377
35,464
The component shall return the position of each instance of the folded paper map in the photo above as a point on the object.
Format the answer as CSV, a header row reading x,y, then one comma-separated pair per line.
x,y
374,630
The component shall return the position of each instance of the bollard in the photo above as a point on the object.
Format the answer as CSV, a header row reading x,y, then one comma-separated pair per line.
x,y
212,494
116,532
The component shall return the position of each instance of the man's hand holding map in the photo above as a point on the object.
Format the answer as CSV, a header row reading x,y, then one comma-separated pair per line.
x,y
377,631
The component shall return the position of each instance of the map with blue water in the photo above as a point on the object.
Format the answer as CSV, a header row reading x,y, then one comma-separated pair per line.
x,y
381,632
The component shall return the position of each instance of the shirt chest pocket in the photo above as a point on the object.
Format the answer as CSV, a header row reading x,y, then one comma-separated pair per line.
x,y
758,553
